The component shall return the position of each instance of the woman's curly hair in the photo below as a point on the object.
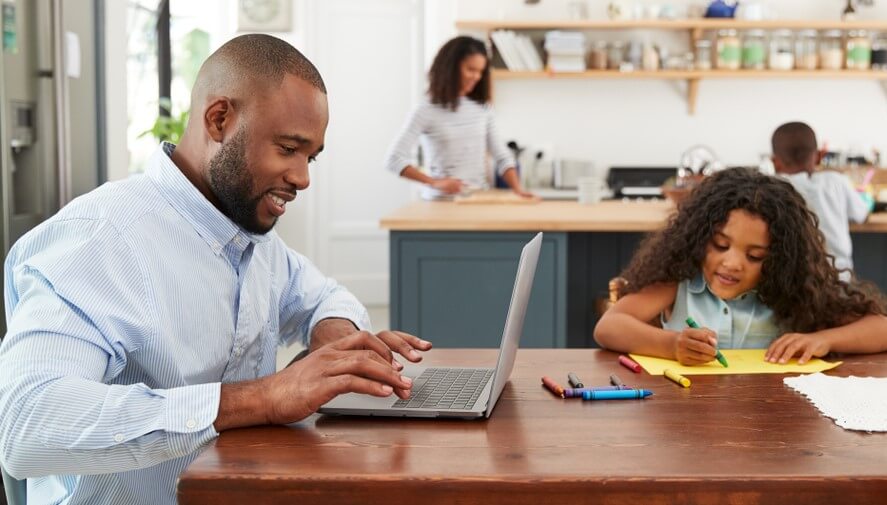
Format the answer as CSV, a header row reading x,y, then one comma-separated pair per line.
x,y
798,279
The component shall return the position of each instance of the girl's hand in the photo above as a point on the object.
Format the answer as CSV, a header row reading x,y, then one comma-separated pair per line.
x,y
695,346
807,345
448,185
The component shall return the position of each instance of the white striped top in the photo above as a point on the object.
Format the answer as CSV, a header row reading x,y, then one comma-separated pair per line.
x,y
455,144
126,310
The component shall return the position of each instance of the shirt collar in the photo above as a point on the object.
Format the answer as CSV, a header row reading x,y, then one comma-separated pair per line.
x,y
209,222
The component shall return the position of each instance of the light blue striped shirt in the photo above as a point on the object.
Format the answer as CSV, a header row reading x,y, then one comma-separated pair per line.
x,y
126,311
741,323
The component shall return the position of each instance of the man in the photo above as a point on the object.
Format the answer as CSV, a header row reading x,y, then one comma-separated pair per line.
x,y
828,194
144,317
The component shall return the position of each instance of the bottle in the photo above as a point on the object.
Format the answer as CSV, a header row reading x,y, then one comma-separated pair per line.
x,y
782,54
831,52
729,50
615,55
806,57
879,52
598,56
703,54
650,57
753,50
859,50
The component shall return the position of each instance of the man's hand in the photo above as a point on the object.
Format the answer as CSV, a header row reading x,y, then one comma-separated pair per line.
x,y
359,363
807,345
695,346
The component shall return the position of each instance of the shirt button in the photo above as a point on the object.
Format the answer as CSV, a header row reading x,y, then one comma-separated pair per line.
x,y
726,311
190,424
118,438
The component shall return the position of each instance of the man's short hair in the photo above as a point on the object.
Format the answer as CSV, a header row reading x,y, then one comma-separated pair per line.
x,y
794,144
259,58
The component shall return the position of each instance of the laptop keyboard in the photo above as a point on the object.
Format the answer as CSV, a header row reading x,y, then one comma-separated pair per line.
x,y
447,388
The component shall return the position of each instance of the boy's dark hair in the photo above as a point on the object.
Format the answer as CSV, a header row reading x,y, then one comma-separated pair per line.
x,y
798,279
795,145
445,75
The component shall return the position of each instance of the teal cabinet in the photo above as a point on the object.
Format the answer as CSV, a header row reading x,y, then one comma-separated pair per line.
x,y
453,288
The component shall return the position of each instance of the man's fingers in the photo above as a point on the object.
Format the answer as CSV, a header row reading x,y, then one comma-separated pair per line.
x,y
365,340
367,364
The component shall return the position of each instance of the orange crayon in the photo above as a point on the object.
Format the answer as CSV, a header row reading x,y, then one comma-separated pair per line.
x,y
552,386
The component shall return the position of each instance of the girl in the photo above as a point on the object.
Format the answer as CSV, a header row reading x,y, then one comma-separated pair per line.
x,y
456,123
744,257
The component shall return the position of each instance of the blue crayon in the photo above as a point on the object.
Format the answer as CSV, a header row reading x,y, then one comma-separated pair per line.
x,y
577,392
622,394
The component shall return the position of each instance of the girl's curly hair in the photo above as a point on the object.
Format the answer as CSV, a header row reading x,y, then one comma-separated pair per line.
x,y
799,281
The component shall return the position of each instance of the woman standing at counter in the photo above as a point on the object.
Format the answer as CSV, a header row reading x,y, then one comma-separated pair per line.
x,y
456,126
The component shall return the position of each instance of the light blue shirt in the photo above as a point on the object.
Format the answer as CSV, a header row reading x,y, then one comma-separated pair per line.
x,y
126,312
741,323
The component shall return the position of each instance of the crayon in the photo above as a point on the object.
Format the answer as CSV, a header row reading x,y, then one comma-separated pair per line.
x,y
720,357
552,386
622,394
680,379
629,363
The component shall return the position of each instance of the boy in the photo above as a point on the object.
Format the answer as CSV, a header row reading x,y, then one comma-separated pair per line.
x,y
828,194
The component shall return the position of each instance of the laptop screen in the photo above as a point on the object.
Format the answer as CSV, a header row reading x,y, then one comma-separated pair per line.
x,y
514,321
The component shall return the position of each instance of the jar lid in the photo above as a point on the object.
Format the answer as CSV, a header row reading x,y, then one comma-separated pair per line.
x,y
857,33
782,33
755,33
833,33
727,32
807,33
703,43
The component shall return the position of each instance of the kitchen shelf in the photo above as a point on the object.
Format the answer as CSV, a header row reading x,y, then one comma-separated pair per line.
x,y
696,29
670,24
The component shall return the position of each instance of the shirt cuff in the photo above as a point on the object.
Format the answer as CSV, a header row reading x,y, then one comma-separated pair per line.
x,y
190,414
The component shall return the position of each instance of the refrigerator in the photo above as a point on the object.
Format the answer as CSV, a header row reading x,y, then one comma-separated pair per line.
x,y
51,110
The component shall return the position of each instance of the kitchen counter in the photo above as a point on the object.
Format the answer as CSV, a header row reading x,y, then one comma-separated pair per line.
x,y
567,216
453,265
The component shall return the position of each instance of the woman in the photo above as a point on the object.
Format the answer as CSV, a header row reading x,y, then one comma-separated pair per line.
x,y
456,126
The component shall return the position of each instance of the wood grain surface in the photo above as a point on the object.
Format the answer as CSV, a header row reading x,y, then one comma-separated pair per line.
x,y
741,439
551,216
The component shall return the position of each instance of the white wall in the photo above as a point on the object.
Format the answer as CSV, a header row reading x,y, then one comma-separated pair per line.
x,y
646,121
115,89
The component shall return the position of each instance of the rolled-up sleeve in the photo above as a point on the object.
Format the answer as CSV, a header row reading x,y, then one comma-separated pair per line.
x,y
73,318
310,297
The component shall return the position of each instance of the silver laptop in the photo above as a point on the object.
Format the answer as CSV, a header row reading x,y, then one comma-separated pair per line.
x,y
456,391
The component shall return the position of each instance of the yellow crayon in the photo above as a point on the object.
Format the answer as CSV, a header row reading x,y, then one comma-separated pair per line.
x,y
680,379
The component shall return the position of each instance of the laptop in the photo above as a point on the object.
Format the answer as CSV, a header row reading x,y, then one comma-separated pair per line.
x,y
458,392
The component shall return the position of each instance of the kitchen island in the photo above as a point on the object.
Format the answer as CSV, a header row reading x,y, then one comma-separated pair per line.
x,y
453,265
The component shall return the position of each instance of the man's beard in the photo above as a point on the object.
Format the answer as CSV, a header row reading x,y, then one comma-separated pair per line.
x,y
232,183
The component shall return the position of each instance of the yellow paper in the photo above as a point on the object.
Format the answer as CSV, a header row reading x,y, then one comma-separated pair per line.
x,y
741,361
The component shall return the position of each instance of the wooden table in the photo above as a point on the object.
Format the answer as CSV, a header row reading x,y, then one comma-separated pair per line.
x,y
743,439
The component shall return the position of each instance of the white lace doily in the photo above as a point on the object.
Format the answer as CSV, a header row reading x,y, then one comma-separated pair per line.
x,y
855,403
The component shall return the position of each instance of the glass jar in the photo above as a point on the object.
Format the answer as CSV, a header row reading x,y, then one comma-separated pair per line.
x,y
879,52
859,50
782,54
806,57
831,51
729,50
597,56
754,52
703,54
615,55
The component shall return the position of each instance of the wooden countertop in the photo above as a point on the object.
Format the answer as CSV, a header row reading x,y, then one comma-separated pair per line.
x,y
551,216
728,439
